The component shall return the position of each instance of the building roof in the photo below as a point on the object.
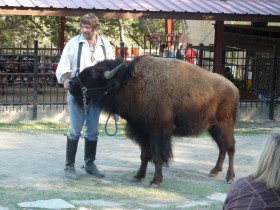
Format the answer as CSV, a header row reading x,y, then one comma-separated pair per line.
x,y
243,10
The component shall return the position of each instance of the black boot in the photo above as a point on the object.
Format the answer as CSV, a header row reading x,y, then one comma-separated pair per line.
x,y
90,152
71,149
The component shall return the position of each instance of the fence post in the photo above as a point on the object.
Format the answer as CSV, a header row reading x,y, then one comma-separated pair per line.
x,y
122,50
273,85
200,54
35,81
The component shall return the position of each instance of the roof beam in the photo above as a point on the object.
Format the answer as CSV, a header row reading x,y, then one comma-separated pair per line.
x,y
137,14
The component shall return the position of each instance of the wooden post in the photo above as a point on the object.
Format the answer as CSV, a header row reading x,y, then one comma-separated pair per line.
x,y
62,30
218,48
273,84
122,50
200,54
168,30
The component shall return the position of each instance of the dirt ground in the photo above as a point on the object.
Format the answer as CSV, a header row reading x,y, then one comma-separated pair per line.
x,y
36,161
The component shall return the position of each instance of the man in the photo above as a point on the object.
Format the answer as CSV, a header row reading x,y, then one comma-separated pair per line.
x,y
94,49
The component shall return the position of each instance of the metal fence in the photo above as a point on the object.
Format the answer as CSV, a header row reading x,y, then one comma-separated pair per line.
x,y
27,75
27,78
255,71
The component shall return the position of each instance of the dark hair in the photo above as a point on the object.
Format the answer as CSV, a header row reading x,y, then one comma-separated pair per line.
x,y
90,19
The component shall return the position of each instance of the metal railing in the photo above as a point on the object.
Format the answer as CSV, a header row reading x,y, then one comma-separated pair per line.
x,y
27,78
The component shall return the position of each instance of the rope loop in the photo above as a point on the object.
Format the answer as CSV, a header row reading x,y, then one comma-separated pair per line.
x,y
116,126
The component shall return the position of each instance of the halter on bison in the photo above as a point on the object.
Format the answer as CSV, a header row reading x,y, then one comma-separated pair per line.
x,y
160,98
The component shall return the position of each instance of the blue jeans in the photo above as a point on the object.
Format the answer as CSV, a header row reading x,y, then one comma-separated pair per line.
x,y
78,120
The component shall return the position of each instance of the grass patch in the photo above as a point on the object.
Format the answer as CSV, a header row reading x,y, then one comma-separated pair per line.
x,y
39,126
179,190
241,128
59,127
130,195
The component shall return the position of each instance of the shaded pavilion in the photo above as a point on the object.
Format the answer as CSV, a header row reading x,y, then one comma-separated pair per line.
x,y
255,11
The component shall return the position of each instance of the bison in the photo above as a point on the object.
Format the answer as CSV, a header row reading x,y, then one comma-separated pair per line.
x,y
160,98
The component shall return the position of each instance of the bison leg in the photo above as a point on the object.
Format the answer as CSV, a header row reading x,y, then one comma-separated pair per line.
x,y
145,157
223,135
219,164
155,183
231,151
161,152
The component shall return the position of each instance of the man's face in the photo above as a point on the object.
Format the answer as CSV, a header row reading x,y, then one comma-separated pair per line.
x,y
87,31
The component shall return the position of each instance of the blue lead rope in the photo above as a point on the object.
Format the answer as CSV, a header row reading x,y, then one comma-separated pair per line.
x,y
116,126
106,124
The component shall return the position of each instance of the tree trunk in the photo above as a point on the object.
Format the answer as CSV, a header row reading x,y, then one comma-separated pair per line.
x,y
121,27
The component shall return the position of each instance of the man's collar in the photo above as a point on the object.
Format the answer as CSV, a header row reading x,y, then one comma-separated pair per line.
x,y
83,39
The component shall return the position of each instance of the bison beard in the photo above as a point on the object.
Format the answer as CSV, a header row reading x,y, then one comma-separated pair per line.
x,y
160,98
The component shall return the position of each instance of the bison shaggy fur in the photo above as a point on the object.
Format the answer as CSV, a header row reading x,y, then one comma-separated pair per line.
x,y
160,98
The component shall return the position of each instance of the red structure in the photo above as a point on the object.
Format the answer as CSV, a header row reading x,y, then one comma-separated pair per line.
x,y
168,30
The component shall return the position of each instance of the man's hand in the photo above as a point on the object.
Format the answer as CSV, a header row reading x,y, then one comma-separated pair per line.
x,y
65,78
66,84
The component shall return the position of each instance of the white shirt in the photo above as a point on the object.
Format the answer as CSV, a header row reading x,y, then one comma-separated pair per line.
x,y
68,60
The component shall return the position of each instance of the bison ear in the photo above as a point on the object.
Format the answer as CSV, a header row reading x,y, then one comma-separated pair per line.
x,y
110,74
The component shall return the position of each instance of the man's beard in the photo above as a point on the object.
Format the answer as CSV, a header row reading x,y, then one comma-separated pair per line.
x,y
87,36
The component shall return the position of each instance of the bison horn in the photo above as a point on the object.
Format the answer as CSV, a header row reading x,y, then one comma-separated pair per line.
x,y
109,74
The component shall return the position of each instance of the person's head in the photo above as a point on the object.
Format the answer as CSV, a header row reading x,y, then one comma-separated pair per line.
x,y
162,46
227,69
89,24
267,168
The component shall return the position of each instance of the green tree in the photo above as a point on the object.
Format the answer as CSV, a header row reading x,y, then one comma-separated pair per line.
x,y
46,29
134,30
25,29
5,34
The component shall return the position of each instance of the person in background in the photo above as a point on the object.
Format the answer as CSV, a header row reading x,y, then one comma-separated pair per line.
x,y
47,65
94,49
190,54
180,53
46,68
171,52
12,67
161,50
260,190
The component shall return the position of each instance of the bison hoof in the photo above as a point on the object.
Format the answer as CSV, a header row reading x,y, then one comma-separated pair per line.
x,y
214,172
154,186
134,179
211,174
230,181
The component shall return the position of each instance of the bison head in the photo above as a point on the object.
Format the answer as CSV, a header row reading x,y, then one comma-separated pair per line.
x,y
96,81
